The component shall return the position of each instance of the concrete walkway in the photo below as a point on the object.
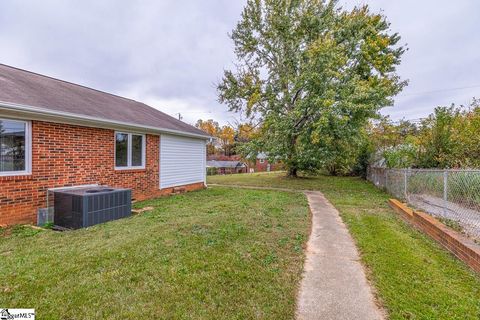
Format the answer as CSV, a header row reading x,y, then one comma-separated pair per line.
x,y
334,285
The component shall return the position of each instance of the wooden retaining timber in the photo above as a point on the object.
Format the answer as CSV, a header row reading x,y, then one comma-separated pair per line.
x,y
459,245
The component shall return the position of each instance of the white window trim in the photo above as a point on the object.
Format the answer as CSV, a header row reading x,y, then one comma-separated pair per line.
x,y
129,151
28,151
262,160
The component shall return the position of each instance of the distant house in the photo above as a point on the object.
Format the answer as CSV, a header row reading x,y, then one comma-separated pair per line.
x,y
55,133
225,167
263,165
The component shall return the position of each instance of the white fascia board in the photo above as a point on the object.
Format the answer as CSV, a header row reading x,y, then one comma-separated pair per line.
x,y
24,112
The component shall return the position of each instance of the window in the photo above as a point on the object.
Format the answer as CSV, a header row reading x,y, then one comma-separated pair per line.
x,y
129,151
137,150
121,150
262,160
15,148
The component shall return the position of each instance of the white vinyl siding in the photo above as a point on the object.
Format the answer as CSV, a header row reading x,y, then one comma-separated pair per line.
x,y
182,161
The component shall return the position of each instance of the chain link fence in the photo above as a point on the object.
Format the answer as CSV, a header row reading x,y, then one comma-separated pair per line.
x,y
453,196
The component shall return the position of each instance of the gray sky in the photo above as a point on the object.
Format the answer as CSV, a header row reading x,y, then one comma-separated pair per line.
x,y
444,52
170,54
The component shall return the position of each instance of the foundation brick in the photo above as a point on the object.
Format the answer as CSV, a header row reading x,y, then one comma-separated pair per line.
x,y
459,245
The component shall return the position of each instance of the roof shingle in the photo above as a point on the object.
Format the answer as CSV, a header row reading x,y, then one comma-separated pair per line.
x,y
23,87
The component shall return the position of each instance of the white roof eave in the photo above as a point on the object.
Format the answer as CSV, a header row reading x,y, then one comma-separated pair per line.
x,y
24,112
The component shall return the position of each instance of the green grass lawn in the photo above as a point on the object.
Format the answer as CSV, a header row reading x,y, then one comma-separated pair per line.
x,y
413,276
212,254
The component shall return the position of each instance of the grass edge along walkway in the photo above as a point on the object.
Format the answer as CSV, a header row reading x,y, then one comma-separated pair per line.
x,y
334,284
414,277
218,253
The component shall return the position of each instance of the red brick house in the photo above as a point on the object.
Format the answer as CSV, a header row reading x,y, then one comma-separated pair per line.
x,y
55,134
263,165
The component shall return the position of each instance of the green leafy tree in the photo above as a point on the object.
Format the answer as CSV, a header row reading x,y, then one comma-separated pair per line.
x,y
311,73
450,137
466,138
436,137
447,138
394,144
401,156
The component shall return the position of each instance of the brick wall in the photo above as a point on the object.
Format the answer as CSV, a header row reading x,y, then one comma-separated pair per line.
x,y
460,246
262,167
66,155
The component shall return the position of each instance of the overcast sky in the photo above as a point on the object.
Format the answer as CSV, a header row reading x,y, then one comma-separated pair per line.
x,y
170,54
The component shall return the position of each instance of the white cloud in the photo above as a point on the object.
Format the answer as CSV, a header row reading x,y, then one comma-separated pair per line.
x,y
443,52
171,53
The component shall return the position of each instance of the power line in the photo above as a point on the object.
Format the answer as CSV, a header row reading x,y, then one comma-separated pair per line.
x,y
412,121
438,90
397,122
189,112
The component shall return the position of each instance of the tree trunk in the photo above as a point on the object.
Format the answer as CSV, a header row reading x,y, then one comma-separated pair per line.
x,y
333,170
292,163
292,172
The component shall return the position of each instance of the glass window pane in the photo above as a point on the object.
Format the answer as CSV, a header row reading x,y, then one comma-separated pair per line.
x,y
121,150
12,146
137,150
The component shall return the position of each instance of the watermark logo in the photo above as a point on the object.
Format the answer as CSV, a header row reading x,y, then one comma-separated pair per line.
x,y
17,314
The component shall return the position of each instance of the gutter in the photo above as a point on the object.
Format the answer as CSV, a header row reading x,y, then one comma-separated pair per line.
x,y
26,112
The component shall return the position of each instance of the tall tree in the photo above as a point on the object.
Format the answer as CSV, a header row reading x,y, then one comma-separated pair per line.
x,y
212,128
245,132
226,136
305,66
